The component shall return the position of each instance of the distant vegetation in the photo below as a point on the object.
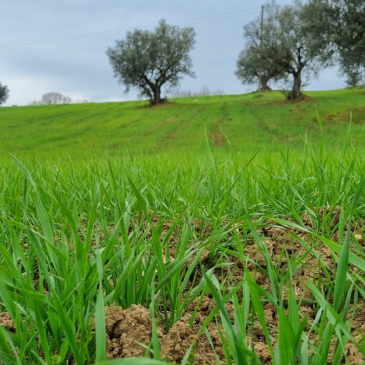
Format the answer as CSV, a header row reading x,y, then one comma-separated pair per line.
x,y
55,98
4,93
52,98
204,91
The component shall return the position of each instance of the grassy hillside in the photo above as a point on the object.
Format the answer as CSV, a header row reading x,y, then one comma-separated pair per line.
x,y
245,122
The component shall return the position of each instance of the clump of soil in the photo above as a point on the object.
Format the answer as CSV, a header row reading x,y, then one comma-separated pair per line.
x,y
127,328
6,321
175,344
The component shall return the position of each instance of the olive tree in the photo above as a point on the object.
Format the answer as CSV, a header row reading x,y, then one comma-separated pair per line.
x,y
252,68
354,74
284,42
4,93
341,23
254,64
151,60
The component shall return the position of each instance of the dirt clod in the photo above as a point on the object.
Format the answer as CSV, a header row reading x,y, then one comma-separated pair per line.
x,y
6,321
359,238
125,328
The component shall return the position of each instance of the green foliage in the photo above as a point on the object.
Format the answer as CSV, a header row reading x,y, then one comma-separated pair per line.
x,y
252,68
4,93
341,24
354,74
282,43
149,60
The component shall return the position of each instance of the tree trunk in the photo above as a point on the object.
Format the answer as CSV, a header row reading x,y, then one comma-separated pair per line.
x,y
157,96
296,92
264,82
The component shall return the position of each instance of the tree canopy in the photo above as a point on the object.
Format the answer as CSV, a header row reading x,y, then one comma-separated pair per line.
x,y
150,60
52,98
341,23
4,93
282,43
252,69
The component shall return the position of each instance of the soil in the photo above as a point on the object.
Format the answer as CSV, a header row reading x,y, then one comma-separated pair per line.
x,y
127,329
171,136
218,139
301,100
163,103
358,116
6,321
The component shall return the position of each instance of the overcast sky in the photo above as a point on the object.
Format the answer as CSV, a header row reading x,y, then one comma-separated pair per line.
x,y
52,45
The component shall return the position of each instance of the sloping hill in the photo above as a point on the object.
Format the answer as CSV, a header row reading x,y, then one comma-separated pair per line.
x,y
244,122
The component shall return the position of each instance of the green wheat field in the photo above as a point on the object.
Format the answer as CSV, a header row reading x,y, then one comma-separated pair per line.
x,y
215,230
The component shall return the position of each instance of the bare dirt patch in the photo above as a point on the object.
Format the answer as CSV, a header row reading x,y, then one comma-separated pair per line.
x,y
301,100
164,104
356,115
171,136
217,138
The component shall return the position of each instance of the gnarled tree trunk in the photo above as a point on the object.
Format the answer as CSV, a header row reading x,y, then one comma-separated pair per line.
x,y
264,86
297,84
157,96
